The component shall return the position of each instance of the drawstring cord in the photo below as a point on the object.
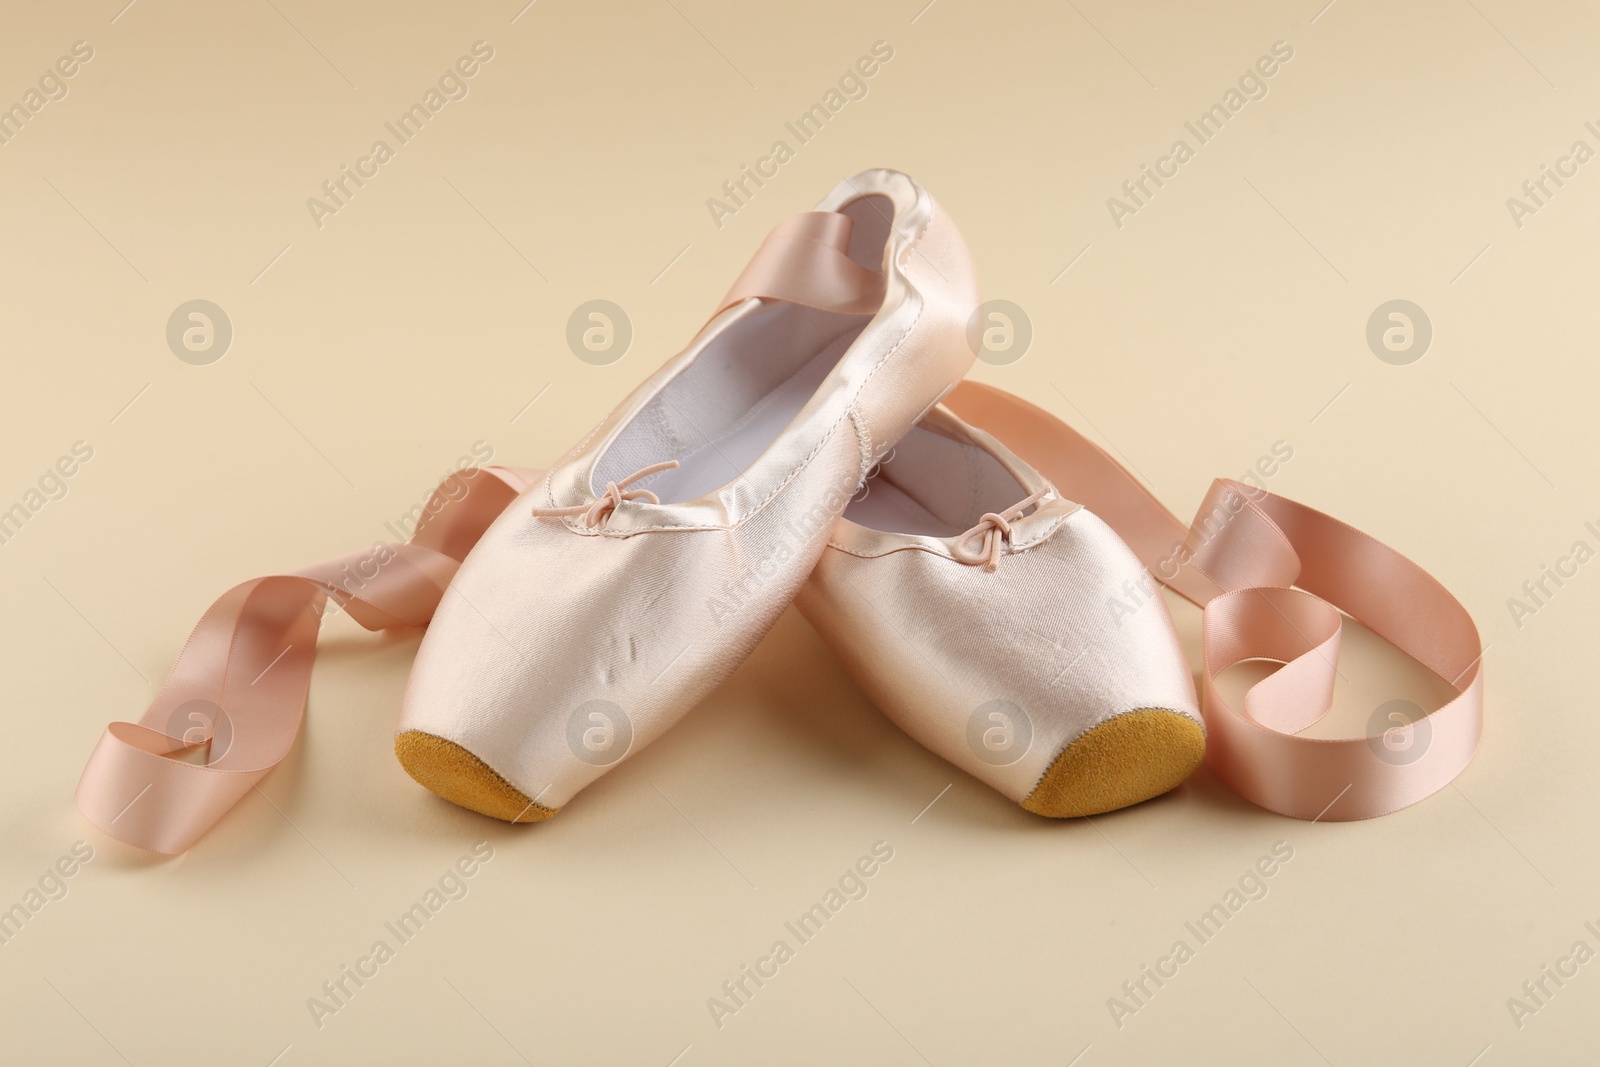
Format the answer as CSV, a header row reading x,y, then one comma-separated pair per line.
x,y
993,528
615,494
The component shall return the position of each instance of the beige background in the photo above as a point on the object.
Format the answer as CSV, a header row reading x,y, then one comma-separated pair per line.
x,y
369,355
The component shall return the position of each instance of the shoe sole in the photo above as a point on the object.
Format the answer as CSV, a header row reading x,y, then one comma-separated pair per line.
x,y
1132,757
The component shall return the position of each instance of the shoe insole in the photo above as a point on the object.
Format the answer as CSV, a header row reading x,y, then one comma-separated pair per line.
x,y
882,505
715,462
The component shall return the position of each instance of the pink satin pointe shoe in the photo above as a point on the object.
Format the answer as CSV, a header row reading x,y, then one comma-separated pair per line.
x,y
969,600
627,583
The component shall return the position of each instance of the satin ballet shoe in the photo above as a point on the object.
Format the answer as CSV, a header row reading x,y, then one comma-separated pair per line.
x,y
969,600
630,580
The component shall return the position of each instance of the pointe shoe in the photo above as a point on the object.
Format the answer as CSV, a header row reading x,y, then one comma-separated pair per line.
x,y
645,566
969,600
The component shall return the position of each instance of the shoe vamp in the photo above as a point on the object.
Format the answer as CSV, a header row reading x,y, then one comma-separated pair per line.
x,y
1060,638
544,626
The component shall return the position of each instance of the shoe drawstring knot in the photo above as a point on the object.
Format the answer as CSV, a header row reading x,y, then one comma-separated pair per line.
x,y
611,498
991,532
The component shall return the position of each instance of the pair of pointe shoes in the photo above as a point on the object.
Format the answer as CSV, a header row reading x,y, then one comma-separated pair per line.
x,y
796,451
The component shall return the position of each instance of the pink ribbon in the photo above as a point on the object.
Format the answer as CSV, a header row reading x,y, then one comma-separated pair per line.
x,y
231,708
805,260
1273,576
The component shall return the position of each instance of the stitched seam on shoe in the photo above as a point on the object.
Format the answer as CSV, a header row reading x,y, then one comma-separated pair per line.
x,y
850,409
864,444
1044,536
862,555
549,475
972,480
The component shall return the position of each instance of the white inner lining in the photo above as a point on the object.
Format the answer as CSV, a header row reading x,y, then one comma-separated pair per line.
x,y
733,401
935,486
746,386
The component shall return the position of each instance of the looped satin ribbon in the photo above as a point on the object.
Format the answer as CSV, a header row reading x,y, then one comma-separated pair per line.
x,y
231,708
1273,576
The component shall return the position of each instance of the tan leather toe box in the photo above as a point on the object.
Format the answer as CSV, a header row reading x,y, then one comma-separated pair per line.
x,y
1126,759
450,771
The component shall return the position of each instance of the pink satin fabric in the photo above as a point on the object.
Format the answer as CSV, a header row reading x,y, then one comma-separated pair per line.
x,y
805,260
1273,577
251,656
